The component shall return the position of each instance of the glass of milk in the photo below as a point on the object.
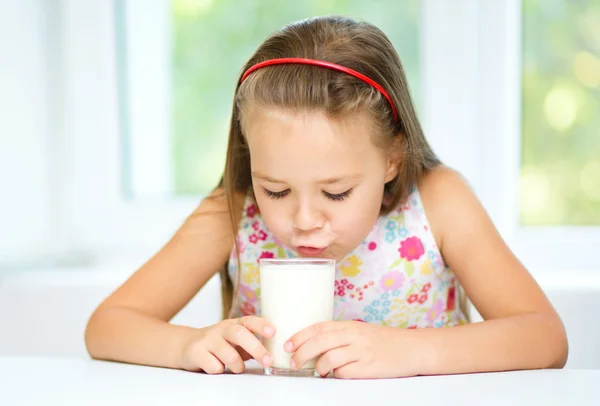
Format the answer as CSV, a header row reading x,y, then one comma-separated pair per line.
x,y
294,294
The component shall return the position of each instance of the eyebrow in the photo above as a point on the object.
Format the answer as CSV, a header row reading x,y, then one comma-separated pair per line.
x,y
327,181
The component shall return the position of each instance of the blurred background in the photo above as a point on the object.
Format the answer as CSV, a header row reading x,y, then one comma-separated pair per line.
x,y
114,118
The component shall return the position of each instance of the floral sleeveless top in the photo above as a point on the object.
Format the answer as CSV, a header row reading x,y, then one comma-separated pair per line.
x,y
395,277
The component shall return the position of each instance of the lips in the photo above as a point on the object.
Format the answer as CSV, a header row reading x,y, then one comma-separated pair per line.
x,y
310,251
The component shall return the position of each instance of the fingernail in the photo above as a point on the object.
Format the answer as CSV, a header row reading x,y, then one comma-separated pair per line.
x,y
293,364
267,360
268,331
288,346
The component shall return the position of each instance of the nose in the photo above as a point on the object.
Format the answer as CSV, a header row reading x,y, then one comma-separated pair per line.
x,y
307,218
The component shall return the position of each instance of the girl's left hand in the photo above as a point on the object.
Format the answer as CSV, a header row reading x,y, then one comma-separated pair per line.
x,y
353,349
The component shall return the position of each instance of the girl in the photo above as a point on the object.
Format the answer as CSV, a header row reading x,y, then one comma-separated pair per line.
x,y
326,158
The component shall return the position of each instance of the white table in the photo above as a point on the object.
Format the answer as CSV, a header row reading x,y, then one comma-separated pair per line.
x,y
73,381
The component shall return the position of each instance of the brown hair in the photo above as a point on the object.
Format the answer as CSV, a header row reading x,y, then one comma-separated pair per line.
x,y
357,45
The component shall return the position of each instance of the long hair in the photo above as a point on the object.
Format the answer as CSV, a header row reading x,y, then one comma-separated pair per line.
x,y
357,45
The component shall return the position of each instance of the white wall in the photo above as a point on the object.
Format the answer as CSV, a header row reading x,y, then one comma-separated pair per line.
x,y
24,128
45,312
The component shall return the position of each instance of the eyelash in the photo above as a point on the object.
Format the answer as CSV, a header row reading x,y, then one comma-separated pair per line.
x,y
275,195
334,197
338,197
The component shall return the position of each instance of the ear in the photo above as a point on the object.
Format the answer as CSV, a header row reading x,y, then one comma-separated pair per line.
x,y
394,158
392,169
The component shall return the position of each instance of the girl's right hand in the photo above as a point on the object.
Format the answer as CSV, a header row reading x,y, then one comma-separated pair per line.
x,y
227,343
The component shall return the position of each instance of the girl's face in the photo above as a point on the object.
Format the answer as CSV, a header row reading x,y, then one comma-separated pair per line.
x,y
318,181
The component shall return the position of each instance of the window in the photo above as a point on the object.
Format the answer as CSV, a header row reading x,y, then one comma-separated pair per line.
x,y
179,64
560,172
520,145
507,92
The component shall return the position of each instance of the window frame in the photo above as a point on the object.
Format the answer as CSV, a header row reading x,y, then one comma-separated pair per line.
x,y
540,248
472,122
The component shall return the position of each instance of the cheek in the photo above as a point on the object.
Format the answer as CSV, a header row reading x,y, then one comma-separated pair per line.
x,y
274,214
355,221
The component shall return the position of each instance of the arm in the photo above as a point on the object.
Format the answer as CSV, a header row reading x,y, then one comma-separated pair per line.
x,y
132,324
521,328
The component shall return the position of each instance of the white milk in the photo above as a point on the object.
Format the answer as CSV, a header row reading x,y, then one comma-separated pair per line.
x,y
294,294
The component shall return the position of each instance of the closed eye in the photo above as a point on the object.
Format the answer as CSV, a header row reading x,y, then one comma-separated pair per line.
x,y
338,197
276,195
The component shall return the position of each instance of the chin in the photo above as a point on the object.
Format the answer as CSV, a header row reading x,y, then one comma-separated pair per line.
x,y
335,255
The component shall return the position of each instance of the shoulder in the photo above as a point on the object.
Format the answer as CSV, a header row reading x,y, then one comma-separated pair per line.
x,y
443,182
216,211
449,202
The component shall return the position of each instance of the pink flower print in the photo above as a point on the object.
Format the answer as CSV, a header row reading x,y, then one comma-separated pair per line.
x,y
262,235
346,311
266,254
248,293
412,298
392,280
256,225
340,288
344,281
253,238
251,211
423,298
435,310
358,290
241,245
372,246
350,286
248,309
426,287
451,302
411,248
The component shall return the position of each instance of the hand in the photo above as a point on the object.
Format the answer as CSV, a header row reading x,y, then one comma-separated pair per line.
x,y
354,349
227,343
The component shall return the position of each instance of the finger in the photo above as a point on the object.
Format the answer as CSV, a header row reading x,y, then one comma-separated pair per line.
x,y
349,371
258,325
334,359
243,353
239,335
229,357
318,345
301,337
210,364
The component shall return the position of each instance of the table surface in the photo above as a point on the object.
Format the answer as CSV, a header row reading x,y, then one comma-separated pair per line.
x,y
80,381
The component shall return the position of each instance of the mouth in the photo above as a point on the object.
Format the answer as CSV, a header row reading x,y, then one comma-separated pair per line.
x,y
310,251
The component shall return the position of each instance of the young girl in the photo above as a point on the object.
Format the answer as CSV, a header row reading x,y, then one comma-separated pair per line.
x,y
326,158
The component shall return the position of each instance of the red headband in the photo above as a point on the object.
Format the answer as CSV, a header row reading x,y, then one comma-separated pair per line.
x,y
305,61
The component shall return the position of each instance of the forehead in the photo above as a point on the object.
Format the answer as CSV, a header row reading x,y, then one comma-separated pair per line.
x,y
301,144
